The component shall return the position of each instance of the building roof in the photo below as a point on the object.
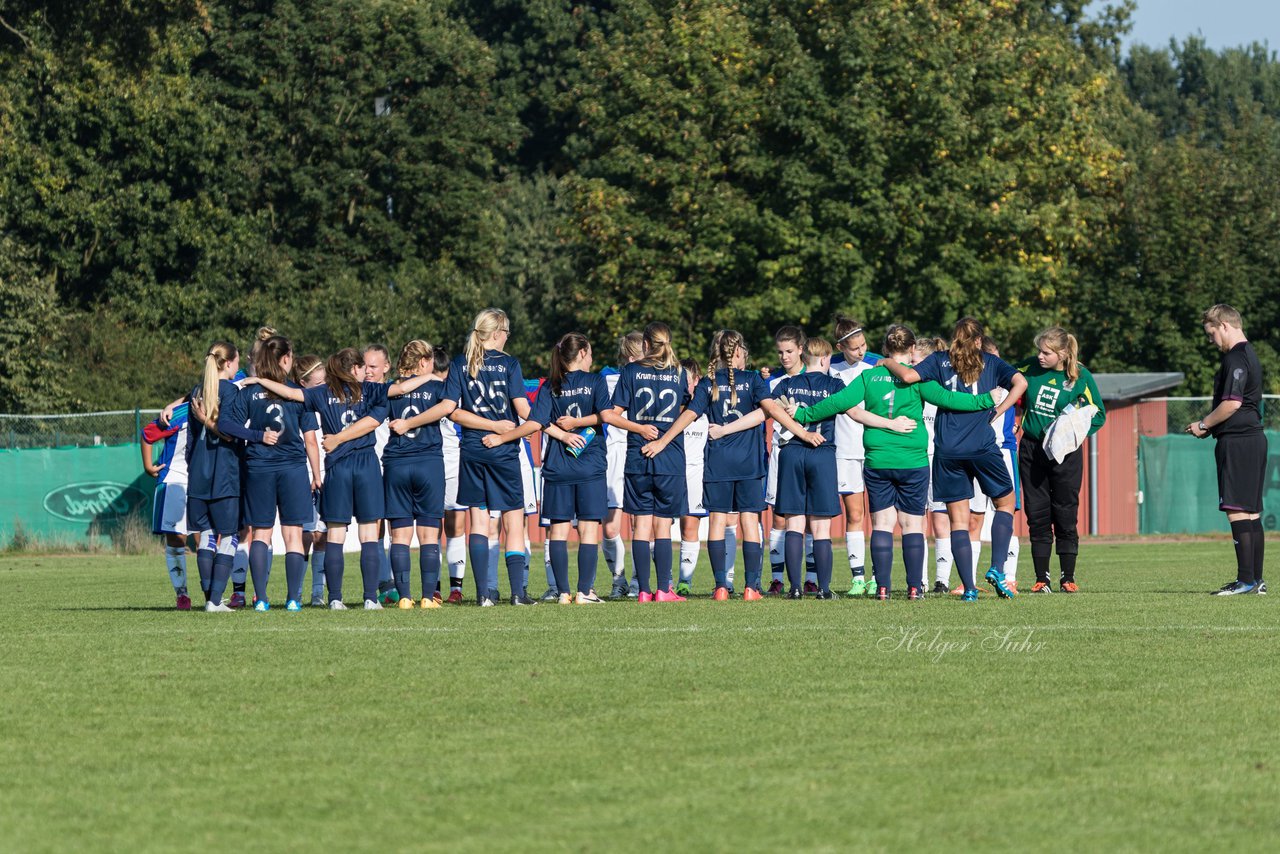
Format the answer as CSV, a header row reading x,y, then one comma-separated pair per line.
x,y
1134,386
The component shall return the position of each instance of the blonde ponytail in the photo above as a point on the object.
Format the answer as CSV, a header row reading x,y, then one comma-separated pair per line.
x,y
1063,343
487,324
658,350
412,354
220,353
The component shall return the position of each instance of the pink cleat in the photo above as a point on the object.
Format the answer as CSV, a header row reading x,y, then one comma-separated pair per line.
x,y
644,597
237,600
721,594
184,602
668,596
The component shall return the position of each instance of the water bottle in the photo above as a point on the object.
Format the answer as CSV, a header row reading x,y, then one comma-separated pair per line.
x,y
587,433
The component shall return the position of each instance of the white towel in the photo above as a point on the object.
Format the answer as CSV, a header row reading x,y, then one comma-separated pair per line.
x,y
1068,431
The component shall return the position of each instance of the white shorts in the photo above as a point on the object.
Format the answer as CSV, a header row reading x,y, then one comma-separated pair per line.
x,y
530,481
979,503
169,514
615,474
451,462
315,524
693,485
849,476
771,480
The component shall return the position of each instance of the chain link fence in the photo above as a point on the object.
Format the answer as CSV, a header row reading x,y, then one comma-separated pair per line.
x,y
1181,411
85,430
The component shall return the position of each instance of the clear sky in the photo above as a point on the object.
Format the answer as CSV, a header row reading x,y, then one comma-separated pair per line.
x,y
1222,23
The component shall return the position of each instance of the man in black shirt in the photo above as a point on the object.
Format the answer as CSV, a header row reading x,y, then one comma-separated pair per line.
x,y
1241,452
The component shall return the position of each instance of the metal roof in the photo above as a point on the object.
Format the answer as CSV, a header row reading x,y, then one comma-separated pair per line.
x,y
1133,386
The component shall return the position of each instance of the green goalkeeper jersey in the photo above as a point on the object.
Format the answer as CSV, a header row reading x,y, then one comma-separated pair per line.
x,y
881,393
1050,392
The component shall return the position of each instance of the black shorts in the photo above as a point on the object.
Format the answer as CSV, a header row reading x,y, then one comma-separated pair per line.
x,y
1242,466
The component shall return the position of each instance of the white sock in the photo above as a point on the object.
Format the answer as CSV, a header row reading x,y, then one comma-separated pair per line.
x,y
730,551
493,561
455,555
808,558
1011,560
175,558
610,550
856,544
240,563
546,564
977,557
689,551
942,563
776,558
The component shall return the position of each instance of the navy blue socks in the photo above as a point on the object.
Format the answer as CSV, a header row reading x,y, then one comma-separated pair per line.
x,y
822,563
370,567
429,568
913,557
559,551
588,559
1001,533
400,568
753,562
259,568
478,551
793,549
295,571
716,553
334,566
962,554
882,558
641,557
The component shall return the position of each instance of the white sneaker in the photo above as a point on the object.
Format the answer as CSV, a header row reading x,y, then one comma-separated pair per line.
x,y
587,599
564,599
220,608
372,605
486,603
336,605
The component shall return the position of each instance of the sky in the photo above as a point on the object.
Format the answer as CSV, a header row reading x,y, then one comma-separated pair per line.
x,y
1222,23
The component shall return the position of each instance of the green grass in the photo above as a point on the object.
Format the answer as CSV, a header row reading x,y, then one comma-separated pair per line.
x,y
1141,714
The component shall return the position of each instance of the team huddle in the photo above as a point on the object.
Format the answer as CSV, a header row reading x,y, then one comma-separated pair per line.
x,y
438,453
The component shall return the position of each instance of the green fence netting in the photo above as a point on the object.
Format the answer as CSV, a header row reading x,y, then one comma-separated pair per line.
x,y
1179,485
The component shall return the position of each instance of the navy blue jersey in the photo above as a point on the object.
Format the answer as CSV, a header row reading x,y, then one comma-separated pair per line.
x,y
653,396
807,389
581,394
261,410
336,414
964,434
488,394
213,460
420,441
738,456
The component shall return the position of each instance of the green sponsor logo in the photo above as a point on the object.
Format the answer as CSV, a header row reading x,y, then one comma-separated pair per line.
x,y
85,502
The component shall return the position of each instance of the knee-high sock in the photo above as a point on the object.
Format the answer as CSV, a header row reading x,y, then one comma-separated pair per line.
x,y
793,547
689,551
777,552
610,548
478,547
517,567
882,558
730,552
204,565
370,568
259,568
175,560
856,543
962,551
559,552
942,563
975,547
400,569
493,570
752,561
220,575
1011,560
455,554
809,573
1001,533
913,550
334,568
641,557
716,553
317,571
240,563
662,560
588,557
385,575
547,568
295,572
429,568
1259,550
822,560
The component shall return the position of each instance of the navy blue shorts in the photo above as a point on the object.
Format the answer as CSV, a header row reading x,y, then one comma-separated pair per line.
x,y
953,478
414,488
220,515
353,487
286,489
663,495
733,496
807,482
904,489
586,501
494,485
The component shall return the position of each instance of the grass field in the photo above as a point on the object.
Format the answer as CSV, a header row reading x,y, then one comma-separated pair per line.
x,y
1140,714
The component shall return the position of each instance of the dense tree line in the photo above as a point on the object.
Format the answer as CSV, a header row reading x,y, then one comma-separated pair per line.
x,y
353,170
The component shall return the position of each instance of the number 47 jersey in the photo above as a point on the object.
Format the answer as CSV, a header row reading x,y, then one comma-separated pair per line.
x,y
653,396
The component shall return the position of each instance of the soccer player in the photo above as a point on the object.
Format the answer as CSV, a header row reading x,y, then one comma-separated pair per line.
x,y
1241,453
851,341
695,448
646,403
377,366
413,471
965,447
350,409
455,514
897,473
630,349
938,522
308,372
1055,380
790,342
169,514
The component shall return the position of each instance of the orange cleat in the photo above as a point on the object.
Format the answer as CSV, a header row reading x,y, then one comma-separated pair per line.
x,y
751,595
721,594
1068,587
1041,587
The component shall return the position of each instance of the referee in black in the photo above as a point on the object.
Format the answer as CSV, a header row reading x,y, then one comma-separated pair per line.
x,y
1241,452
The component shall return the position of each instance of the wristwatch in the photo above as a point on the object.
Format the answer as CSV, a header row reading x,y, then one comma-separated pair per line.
x,y
1203,429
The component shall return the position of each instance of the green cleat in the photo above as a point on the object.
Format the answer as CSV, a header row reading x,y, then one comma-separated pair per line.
x,y
860,587
389,597
682,589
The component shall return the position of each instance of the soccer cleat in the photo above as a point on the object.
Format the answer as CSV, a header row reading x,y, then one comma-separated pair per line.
x,y
824,595
317,602
940,587
184,602
969,595
293,605
372,605
619,589
1041,587
1235,588
218,608
721,594
436,597
1068,587
668,596
751,595
795,593
336,605
237,601
644,597
485,602
882,594
775,589
261,605
455,597
522,599
914,593
811,587
429,602
588,598
683,589
1260,589
565,599
995,578
1012,585
388,597
551,595
633,589
959,591
858,587
405,604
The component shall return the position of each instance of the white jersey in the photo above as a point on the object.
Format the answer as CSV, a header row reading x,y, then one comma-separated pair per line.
x,y
930,415
848,431
778,429
614,436
695,448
